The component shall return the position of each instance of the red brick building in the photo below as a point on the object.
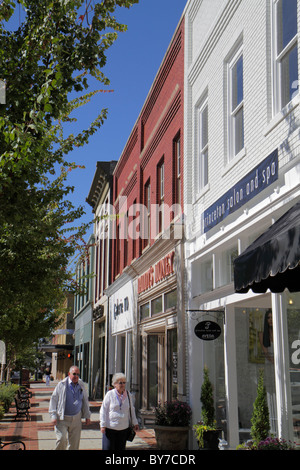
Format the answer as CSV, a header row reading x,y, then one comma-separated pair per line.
x,y
149,171
147,333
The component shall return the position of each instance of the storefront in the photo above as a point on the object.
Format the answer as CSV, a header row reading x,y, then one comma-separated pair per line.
x,y
160,334
121,323
256,331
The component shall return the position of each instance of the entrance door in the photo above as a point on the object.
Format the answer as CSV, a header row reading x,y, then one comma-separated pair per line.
x,y
155,369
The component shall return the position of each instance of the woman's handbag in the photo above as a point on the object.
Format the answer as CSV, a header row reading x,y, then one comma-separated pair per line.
x,y
131,432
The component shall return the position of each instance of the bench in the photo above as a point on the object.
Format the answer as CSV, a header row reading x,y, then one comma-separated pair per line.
x,y
24,393
13,445
22,407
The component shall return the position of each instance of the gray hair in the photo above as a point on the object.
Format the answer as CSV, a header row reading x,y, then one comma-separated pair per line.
x,y
118,376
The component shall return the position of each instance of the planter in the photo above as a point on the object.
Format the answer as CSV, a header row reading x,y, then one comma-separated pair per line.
x,y
211,439
171,437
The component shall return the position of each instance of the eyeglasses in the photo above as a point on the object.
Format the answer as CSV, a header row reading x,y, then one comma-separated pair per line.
x,y
75,373
121,383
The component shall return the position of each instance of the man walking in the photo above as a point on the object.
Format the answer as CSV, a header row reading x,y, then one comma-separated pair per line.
x,y
68,404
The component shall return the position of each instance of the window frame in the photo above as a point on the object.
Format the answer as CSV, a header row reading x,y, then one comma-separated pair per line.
x,y
277,59
202,160
232,114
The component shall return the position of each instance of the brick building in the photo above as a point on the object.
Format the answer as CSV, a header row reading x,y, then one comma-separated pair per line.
x,y
145,296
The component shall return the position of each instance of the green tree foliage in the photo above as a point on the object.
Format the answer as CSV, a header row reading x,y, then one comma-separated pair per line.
x,y
45,62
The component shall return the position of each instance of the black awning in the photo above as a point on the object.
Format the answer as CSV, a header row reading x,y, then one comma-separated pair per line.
x,y
273,260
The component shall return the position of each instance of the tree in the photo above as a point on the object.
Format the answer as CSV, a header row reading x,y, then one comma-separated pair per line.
x,y
45,63
260,417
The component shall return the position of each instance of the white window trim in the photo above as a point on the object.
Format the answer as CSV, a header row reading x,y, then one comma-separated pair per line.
x,y
200,188
202,149
231,154
276,62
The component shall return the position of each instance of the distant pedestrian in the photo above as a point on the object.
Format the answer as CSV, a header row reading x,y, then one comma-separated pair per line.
x,y
47,373
116,415
68,404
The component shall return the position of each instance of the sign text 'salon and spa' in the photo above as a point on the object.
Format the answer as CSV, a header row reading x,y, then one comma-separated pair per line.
x,y
243,191
156,273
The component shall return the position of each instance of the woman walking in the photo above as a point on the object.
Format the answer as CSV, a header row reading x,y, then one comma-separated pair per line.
x,y
116,415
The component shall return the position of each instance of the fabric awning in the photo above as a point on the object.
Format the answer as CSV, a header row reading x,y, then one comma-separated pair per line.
x,y
273,260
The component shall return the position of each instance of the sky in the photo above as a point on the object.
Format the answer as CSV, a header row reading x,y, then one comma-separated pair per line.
x,y
132,64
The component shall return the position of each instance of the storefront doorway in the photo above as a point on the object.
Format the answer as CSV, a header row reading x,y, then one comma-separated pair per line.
x,y
254,352
159,380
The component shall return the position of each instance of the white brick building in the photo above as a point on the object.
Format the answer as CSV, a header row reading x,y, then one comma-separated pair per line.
x,y
242,173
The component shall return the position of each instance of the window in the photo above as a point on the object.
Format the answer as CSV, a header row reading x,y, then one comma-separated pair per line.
x,y
147,200
235,105
206,276
161,194
170,300
285,52
156,306
177,171
203,146
144,311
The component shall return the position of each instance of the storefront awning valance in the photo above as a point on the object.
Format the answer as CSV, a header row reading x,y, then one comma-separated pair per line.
x,y
273,260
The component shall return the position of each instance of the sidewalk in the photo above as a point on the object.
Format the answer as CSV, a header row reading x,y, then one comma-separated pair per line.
x,y
38,433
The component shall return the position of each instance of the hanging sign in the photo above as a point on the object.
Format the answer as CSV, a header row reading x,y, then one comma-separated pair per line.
x,y
207,330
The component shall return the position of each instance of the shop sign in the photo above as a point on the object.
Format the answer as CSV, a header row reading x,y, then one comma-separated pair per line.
x,y
246,189
121,307
162,269
207,330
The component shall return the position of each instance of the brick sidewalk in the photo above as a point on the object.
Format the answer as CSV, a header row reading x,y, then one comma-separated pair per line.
x,y
38,432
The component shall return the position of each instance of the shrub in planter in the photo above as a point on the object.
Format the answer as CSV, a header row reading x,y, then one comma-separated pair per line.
x,y
173,413
172,425
206,432
260,418
7,394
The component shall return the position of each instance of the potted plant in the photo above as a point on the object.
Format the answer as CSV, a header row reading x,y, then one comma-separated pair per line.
x,y
260,418
206,432
270,443
172,420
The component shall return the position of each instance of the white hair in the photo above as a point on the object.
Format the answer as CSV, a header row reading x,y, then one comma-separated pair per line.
x,y
118,376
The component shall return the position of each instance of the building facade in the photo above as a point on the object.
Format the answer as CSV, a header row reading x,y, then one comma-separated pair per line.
x,y
241,174
100,199
145,296
83,312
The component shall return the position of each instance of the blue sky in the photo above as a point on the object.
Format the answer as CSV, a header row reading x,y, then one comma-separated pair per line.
x,y
132,64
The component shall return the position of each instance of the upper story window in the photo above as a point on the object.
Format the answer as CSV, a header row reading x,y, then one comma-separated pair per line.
x,y
147,203
203,146
285,53
161,193
177,170
235,104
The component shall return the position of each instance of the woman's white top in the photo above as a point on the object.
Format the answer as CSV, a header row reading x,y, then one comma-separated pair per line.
x,y
114,413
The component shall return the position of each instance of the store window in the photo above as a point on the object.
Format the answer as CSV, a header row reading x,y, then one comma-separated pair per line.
x,y
213,354
254,352
156,306
170,300
285,52
206,276
144,311
293,321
